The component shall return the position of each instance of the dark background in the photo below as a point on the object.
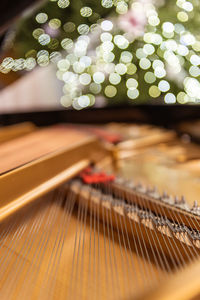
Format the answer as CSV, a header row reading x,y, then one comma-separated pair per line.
x,y
163,115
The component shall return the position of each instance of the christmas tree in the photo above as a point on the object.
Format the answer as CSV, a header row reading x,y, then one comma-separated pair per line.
x,y
113,52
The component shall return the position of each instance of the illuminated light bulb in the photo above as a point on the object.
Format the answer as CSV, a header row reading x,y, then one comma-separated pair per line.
x,y
132,83
85,79
132,93
153,20
187,39
86,60
182,50
149,77
63,3
187,6
194,71
192,87
109,68
122,7
170,45
110,91
107,25
44,39
145,63
108,57
95,88
54,23
107,46
148,49
121,69
154,91
86,11
195,60
156,39
92,99
72,58
170,98
7,63
83,101
182,98
179,28
69,27
69,77
41,18
63,65
147,37
30,63
159,72
196,46
107,3
78,67
37,32
114,78
98,77
55,56
66,101
163,86
140,53
126,57
131,69
83,29
158,63
168,27
121,41
106,36
182,16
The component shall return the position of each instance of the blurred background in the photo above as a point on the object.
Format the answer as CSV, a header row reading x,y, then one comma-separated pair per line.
x,y
77,54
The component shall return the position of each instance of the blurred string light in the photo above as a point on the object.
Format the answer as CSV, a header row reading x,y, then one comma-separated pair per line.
x,y
135,48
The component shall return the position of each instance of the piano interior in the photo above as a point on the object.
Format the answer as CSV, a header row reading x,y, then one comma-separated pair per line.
x,y
98,211
99,150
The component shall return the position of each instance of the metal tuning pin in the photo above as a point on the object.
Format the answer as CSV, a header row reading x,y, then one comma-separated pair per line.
x,y
176,200
141,188
167,199
130,184
154,193
195,205
164,195
119,180
181,203
195,208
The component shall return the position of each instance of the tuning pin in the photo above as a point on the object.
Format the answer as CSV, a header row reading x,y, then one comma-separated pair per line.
x,y
195,208
130,184
167,199
141,188
195,205
164,195
176,200
182,200
181,203
154,193
119,180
